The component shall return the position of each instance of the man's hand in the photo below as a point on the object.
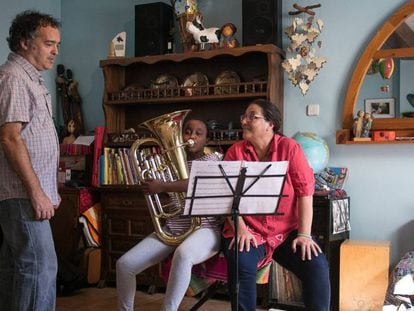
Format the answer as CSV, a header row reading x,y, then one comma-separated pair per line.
x,y
42,206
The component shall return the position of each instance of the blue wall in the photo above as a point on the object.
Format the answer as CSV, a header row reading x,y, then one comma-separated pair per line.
x,y
8,11
380,175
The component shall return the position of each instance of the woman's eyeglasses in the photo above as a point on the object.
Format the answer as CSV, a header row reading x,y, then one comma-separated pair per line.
x,y
250,117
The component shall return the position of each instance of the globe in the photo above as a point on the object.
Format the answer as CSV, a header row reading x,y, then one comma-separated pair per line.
x,y
315,148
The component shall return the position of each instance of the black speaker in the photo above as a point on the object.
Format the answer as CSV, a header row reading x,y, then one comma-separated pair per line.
x,y
262,22
153,22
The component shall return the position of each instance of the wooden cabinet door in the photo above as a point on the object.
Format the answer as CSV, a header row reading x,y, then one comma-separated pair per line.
x,y
65,226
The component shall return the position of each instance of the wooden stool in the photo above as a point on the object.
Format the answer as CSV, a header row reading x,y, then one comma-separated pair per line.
x,y
363,274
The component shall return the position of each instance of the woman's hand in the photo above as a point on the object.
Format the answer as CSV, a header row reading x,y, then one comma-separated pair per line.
x,y
152,186
308,247
244,239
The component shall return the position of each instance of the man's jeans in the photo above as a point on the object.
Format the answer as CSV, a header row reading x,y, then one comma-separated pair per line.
x,y
28,263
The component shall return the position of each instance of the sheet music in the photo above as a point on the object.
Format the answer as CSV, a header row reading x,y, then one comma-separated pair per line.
x,y
220,196
264,186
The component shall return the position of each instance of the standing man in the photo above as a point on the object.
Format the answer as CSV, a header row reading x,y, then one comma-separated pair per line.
x,y
28,166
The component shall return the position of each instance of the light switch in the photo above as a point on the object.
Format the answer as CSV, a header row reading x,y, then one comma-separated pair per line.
x,y
312,110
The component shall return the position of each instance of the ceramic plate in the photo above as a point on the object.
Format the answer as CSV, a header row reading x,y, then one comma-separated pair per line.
x,y
196,84
230,81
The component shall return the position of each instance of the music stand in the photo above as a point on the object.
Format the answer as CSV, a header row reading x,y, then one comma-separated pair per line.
x,y
236,193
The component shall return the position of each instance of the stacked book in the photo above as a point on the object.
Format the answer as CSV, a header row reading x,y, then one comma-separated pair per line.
x,y
117,167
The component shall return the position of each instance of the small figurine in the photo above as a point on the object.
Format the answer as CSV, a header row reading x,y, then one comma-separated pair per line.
x,y
366,125
117,45
71,101
358,124
70,133
202,35
227,39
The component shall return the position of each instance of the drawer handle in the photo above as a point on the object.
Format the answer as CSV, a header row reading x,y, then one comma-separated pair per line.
x,y
127,202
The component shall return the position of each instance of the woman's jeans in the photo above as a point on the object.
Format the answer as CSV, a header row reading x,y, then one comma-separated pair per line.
x,y
314,274
28,264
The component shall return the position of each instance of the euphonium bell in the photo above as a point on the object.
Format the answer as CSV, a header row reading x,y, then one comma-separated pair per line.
x,y
171,165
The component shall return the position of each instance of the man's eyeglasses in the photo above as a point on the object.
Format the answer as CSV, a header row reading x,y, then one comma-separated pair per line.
x,y
250,117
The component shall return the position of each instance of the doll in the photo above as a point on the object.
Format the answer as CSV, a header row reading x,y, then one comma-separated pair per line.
x,y
358,124
70,133
227,39
367,125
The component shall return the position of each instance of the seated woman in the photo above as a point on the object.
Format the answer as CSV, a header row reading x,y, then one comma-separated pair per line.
x,y
285,238
196,248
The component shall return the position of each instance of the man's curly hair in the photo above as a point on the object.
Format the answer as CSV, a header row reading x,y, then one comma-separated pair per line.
x,y
25,25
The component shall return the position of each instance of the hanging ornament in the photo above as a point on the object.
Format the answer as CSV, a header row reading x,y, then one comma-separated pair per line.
x,y
386,67
302,64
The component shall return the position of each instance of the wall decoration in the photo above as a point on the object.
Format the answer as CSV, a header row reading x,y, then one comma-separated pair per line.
x,y
380,107
302,64
386,67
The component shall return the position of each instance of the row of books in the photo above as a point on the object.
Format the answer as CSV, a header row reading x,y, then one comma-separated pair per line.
x,y
117,168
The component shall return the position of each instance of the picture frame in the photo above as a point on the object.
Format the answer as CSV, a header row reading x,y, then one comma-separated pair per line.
x,y
380,107
340,215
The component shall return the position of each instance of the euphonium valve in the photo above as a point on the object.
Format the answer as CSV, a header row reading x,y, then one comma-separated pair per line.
x,y
170,165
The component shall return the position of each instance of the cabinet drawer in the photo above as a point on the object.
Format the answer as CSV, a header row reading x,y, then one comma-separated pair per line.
x,y
124,200
128,227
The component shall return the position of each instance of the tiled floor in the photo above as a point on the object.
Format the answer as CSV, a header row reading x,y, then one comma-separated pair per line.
x,y
94,299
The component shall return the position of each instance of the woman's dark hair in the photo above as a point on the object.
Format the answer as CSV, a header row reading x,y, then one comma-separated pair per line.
x,y
271,113
25,25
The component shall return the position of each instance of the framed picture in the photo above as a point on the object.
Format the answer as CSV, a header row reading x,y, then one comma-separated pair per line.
x,y
340,215
380,107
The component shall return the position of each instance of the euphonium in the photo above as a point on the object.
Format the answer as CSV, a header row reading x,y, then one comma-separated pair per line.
x,y
171,165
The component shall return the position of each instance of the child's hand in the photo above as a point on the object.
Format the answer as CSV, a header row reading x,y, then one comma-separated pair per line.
x,y
153,186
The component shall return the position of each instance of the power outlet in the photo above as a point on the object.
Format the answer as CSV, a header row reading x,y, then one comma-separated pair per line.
x,y
312,110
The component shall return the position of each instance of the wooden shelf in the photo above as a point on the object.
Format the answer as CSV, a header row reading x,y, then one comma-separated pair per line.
x,y
389,142
174,94
403,128
180,57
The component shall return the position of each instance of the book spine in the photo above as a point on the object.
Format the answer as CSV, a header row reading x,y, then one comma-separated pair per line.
x,y
120,174
111,167
107,165
98,143
126,179
132,166
102,170
125,155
